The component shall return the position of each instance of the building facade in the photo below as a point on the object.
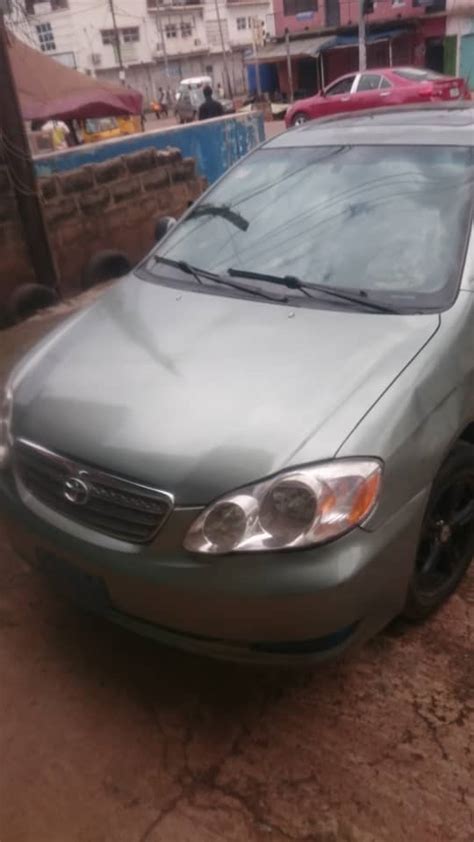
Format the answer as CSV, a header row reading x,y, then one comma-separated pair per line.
x,y
318,39
151,43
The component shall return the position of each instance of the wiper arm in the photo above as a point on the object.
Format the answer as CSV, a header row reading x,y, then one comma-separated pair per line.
x,y
178,264
221,210
199,274
291,282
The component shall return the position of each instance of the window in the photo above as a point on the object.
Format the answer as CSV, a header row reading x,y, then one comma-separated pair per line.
x,y
186,30
385,83
171,30
342,87
321,214
369,82
108,37
46,37
130,34
241,23
398,2
296,7
414,74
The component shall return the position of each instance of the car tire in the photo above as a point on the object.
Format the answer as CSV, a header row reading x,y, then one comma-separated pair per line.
x,y
446,546
299,119
27,299
105,266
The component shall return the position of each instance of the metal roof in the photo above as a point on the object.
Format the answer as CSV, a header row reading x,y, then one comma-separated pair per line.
x,y
353,39
298,47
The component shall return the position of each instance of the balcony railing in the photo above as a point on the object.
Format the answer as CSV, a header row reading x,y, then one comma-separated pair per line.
x,y
45,6
158,5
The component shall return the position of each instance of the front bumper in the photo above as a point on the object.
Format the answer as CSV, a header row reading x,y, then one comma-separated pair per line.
x,y
287,607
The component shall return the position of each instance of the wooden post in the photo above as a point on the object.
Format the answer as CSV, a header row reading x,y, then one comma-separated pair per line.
x,y
20,165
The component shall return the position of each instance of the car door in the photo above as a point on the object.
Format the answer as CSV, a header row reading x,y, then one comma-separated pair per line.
x,y
367,91
337,97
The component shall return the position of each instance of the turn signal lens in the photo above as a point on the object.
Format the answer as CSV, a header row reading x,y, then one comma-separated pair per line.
x,y
296,509
362,503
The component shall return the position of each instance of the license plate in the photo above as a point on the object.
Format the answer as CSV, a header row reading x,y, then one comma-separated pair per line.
x,y
89,592
454,93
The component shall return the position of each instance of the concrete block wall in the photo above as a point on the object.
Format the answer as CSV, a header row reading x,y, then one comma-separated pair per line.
x,y
110,205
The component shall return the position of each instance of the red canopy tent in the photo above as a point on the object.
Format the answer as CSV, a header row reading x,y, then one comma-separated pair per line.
x,y
48,90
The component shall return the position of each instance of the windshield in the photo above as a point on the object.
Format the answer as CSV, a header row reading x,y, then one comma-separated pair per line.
x,y
415,74
390,221
102,124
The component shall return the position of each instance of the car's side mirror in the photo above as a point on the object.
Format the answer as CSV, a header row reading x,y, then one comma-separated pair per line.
x,y
162,227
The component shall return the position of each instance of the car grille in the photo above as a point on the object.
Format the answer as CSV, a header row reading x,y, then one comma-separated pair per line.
x,y
105,503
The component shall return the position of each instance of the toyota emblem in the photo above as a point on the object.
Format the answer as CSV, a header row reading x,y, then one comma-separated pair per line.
x,y
76,491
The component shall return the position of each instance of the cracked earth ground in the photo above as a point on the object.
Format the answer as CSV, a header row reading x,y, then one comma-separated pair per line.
x,y
106,737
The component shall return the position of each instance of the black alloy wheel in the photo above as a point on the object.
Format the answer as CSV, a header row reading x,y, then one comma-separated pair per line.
x,y
446,546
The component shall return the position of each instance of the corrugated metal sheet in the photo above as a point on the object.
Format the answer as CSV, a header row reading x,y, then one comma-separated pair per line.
x,y
301,47
298,48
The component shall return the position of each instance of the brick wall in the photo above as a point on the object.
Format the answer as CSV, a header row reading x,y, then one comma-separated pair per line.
x,y
14,262
99,206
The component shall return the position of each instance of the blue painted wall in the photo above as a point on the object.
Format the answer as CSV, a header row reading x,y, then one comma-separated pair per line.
x,y
214,144
268,78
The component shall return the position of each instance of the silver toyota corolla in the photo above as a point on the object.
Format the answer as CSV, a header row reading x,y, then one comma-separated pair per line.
x,y
260,444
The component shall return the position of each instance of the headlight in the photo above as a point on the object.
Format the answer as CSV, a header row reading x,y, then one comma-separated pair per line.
x,y
297,508
6,403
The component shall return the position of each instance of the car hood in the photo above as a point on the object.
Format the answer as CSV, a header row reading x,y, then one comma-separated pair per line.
x,y
197,393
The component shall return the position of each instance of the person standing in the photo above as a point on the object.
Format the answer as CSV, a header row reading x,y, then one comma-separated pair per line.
x,y
210,107
220,91
162,101
59,131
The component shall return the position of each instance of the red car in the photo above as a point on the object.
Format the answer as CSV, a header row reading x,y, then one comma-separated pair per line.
x,y
376,88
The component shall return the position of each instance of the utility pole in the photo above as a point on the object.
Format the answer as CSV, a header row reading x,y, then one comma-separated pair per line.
x,y
255,58
21,168
362,41
117,42
224,57
288,64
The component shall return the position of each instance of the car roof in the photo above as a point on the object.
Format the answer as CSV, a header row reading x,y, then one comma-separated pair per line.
x,y
411,125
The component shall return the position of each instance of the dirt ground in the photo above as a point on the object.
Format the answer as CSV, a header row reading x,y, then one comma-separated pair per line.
x,y
105,737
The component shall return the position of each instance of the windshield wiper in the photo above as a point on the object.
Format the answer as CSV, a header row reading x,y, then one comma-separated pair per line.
x,y
199,274
360,298
221,210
